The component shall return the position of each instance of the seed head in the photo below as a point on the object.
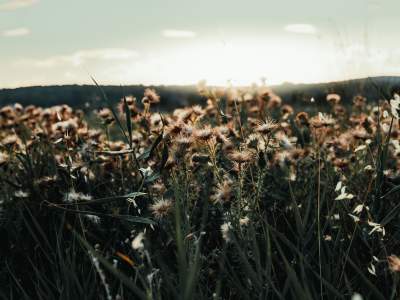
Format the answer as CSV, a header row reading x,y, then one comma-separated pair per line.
x,y
161,208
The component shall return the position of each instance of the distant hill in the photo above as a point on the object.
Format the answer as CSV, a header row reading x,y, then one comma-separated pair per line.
x,y
178,96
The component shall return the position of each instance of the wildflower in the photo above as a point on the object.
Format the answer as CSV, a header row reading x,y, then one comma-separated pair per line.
x,y
358,209
266,126
150,96
355,218
396,145
226,231
338,186
356,296
360,148
385,114
203,134
394,263
161,208
137,242
371,269
197,110
343,195
274,101
302,119
9,140
376,228
284,140
223,192
368,168
395,106
244,221
241,156
21,194
333,98
147,172
322,120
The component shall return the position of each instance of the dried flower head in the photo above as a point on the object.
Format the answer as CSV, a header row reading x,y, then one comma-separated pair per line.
x,y
302,119
151,96
395,106
203,134
226,231
266,127
223,192
241,156
161,208
333,98
394,263
137,242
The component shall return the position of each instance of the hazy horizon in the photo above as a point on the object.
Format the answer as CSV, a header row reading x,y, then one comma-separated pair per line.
x,y
43,42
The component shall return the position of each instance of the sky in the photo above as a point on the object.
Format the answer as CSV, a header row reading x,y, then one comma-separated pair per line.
x,y
151,42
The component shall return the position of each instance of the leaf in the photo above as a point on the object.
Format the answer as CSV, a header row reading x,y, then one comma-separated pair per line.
x,y
164,157
128,122
152,178
148,153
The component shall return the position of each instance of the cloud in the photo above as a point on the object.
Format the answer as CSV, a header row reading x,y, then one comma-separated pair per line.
x,y
301,28
16,4
82,56
14,32
173,33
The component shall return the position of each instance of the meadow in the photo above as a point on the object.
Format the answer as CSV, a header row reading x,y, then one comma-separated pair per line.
x,y
242,197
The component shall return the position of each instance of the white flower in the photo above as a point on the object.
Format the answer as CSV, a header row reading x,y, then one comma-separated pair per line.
x,y
356,296
225,230
360,148
147,172
343,195
376,228
244,221
385,114
355,218
396,145
358,209
338,186
369,168
21,194
395,106
137,242
371,269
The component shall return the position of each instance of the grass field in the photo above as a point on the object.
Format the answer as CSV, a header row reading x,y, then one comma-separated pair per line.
x,y
243,197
